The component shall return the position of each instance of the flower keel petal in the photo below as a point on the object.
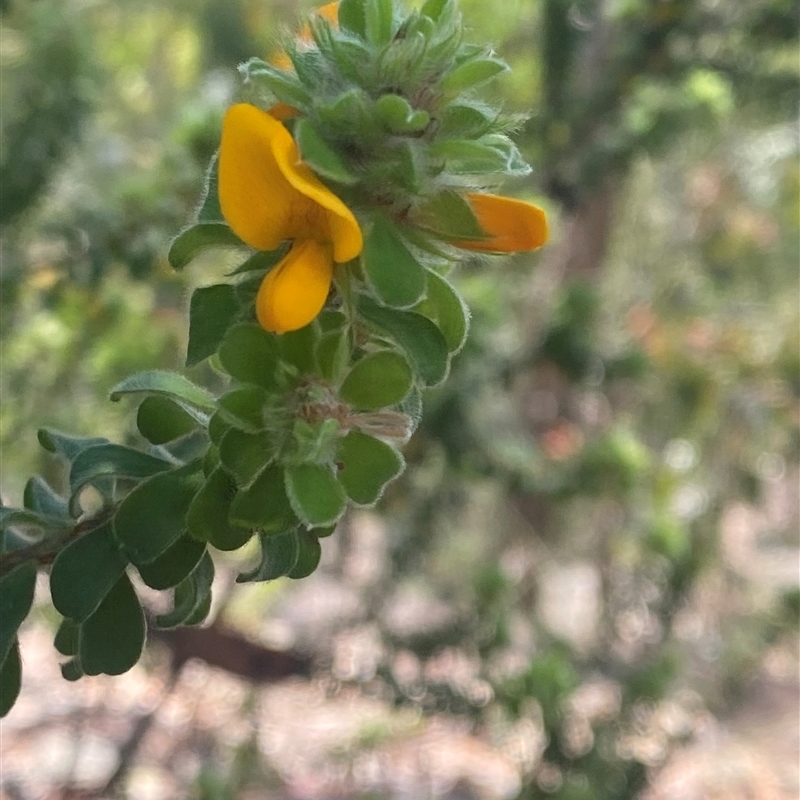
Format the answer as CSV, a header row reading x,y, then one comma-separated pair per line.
x,y
294,291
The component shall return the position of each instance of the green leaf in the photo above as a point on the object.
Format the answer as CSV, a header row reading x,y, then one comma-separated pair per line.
x,y
200,612
217,427
251,355
491,153
366,467
112,638
84,572
153,515
314,441
392,271
191,241
378,380
450,216
39,497
399,116
433,9
16,591
472,73
309,65
352,17
466,120
379,21
284,85
171,384
319,155
448,310
212,309
207,519
174,564
244,455
278,556
353,109
162,420
333,354
259,262
264,504
297,349
10,678
64,444
192,596
67,636
71,671
208,209
316,496
243,408
422,341
308,556
110,460
21,517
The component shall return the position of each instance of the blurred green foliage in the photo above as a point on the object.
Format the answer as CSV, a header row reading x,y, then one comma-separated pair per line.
x,y
617,396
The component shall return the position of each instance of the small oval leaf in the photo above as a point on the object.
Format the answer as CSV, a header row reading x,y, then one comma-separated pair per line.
x,y
153,515
308,556
10,678
160,420
16,589
422,341
316,496
264,504
191,241
366,466
393,272
207,518
212,309
84,572
278,556
112,638
173,565
378,380
250,354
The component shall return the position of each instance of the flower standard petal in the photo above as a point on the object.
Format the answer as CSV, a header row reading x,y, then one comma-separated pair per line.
x,y
294,291
512,225
256,199
267,194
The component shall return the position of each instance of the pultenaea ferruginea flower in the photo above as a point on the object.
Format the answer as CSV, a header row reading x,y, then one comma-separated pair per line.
x,y
268,195
512,226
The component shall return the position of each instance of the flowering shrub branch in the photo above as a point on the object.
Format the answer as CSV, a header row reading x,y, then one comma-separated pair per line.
x,y
352,175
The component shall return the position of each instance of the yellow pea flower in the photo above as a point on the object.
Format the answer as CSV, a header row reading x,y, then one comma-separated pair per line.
x,y
267,196
512,225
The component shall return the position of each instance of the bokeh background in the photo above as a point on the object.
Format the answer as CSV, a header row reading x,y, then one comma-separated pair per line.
x,y
586,585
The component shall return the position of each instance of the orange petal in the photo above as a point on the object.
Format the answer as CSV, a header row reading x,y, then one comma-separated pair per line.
x,y
295,290
512,225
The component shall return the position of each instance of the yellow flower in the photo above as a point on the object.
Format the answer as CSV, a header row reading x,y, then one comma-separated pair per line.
x,y
512,225
267,196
